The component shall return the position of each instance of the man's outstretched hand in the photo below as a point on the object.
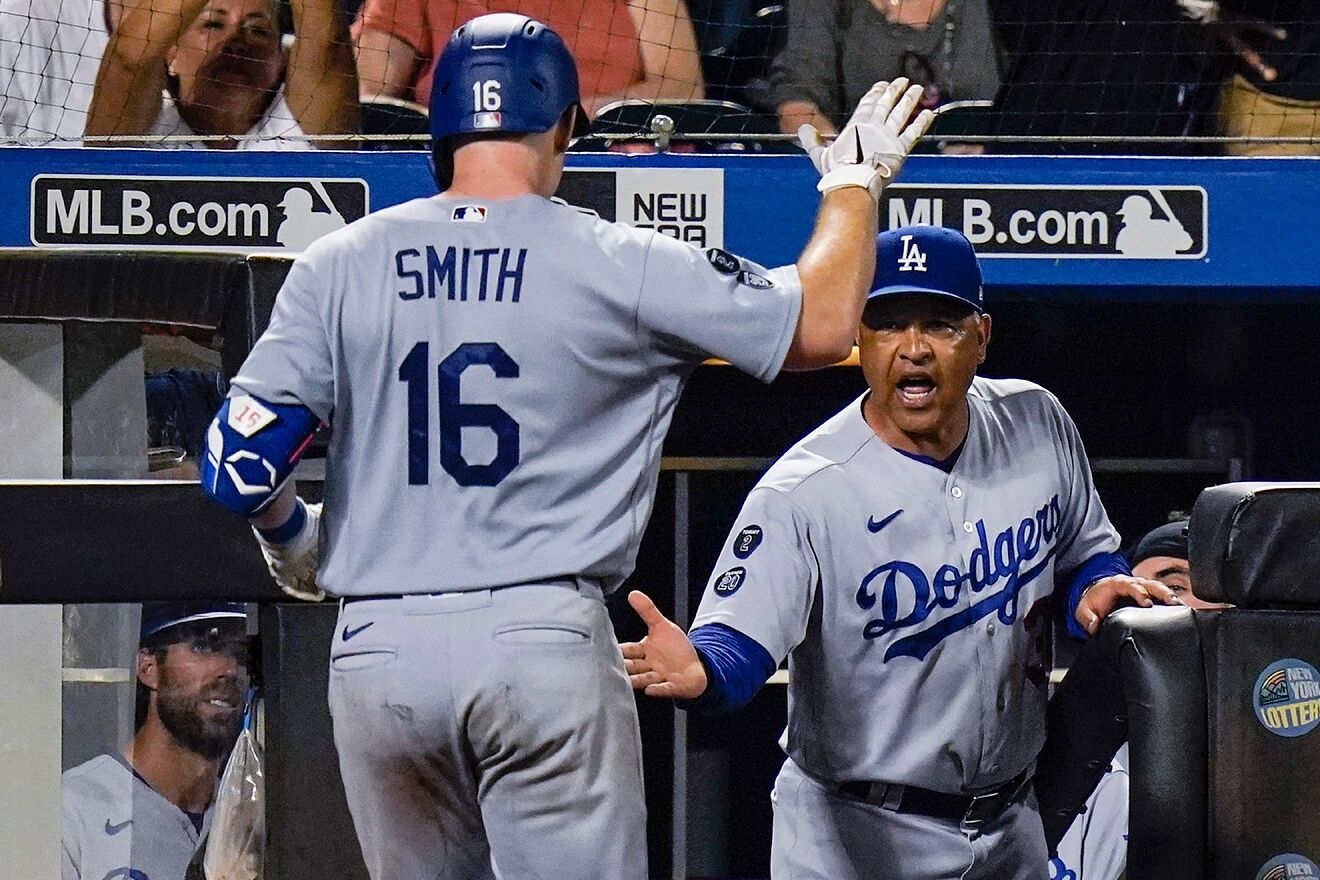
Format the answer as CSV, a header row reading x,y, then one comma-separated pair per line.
x,y
664,663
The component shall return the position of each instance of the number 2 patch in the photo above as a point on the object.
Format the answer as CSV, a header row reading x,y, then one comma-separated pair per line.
x,y
747,541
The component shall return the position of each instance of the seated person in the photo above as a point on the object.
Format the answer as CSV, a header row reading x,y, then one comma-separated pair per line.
x,y
623,48
1095,847
836,50
213,70
1162,556
180,403
141,811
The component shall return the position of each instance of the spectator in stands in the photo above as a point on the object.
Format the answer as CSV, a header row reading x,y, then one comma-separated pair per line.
x,y
1114,68
837,48
141,811
643,49
215,70
50,51
1275,87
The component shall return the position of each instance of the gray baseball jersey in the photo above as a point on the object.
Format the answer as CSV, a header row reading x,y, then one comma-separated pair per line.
x,y
909,600
116,827
499,377
1095,845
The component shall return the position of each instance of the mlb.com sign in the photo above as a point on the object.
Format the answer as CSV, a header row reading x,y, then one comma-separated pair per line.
x,y
193,213
1059,222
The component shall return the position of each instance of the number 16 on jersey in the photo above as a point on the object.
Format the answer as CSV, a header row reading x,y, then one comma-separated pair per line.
x,y
455,415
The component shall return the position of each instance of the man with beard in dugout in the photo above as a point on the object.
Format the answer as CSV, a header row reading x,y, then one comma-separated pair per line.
x,y
140,813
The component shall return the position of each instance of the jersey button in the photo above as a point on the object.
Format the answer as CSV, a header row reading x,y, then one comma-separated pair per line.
x,y
968,528
989,629
956,492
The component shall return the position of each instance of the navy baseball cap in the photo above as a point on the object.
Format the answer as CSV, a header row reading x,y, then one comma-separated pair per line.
x,y
1169,540
160,616
927,259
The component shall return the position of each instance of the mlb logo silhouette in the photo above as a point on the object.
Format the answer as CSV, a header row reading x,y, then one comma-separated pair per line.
x,y
469,214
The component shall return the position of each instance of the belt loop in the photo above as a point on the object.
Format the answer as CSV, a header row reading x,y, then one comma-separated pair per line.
x,y
893,797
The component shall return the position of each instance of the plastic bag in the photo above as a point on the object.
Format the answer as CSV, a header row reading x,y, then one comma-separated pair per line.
x,y
236,848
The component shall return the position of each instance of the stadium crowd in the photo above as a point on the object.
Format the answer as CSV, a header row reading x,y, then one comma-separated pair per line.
x,y
289,74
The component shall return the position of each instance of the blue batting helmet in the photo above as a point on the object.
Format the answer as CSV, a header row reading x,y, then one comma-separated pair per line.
x,y
503,73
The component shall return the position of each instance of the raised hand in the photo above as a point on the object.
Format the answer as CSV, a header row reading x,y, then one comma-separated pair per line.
x,y
872,146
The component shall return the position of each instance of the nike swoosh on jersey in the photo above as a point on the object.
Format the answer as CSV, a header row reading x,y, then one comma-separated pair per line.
x,y
112,830
877,526
350,633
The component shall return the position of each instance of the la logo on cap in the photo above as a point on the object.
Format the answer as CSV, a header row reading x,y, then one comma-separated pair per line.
x,y
912,258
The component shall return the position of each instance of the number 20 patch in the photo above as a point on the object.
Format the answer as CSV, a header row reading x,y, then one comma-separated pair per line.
x,y
730,581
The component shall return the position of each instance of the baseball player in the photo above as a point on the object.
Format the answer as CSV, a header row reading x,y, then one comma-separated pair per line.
x,y
1095,845
139,813
499,370
903,556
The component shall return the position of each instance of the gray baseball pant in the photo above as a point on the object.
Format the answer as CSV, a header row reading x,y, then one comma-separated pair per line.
x,y
820,834
489,734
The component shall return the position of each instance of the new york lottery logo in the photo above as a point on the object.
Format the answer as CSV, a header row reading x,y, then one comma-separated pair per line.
x,y
1287,698
907,596
1288,865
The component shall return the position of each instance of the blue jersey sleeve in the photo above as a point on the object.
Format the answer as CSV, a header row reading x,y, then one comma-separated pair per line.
x,y
252,447
1099,566
736,668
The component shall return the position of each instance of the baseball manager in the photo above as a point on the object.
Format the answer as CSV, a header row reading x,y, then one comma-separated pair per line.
x,y
904,557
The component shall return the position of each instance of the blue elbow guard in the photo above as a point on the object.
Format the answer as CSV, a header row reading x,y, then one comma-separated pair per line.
x,y
251,449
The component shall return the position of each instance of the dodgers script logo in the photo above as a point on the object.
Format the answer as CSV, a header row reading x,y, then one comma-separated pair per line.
x,y
902,584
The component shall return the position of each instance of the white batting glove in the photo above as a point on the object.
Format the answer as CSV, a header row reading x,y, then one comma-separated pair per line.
x,y
872,146
293,565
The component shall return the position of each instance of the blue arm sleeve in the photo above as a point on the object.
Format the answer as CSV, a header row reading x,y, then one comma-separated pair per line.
x,y
252,447
736,668
1101,565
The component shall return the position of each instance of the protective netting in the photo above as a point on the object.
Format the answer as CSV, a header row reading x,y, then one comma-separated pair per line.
x,y
1164,76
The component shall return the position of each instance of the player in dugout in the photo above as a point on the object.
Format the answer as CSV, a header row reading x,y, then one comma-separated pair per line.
x,y
1095,845
139,813
905,558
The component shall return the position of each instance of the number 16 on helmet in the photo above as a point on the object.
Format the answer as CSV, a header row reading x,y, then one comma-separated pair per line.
x,y
501,73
